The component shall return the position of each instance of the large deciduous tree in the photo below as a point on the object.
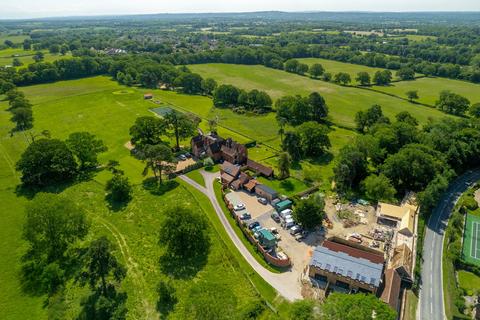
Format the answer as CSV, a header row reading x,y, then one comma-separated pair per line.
x,y
101,266
379,188
309,212
86,147
452,103
53,223
159,158
363,78
147,130
184,232
366,119
284,162
47,161
316,70
181,125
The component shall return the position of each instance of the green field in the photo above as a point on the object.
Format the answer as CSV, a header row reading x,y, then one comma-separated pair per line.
x,y
335,67
468,281
13,38
92,105
429,89
26,57
343,102
471,240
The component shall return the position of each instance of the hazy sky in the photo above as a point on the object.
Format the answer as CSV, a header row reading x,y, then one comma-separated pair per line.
x,y
48,8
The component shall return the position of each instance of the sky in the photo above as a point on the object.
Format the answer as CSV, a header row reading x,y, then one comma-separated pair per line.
x,y
12,9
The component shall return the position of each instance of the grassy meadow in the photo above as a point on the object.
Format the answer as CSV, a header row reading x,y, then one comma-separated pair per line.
x,y
343,102
429,89
334,67
26,56
104,108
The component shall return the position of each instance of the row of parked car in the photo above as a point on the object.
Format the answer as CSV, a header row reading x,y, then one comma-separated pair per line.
x,y
184,156
286,220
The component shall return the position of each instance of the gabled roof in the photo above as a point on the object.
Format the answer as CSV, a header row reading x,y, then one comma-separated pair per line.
x,y
260,168
342,263
266,189
392,211
391,292
231,169
251,184
354,252
402,257
226,177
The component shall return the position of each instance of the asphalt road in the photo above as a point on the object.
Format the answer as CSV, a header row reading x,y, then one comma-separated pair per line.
x,y
287,283
431,305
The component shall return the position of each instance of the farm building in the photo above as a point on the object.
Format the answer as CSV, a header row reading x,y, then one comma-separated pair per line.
x,y
229,173
250,185
346,268
259,168
402,217
392,289
402,260
265,192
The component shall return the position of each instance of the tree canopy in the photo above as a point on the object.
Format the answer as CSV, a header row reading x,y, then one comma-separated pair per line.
x,y
47,161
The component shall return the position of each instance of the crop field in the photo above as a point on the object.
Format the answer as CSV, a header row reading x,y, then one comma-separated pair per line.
x,y
94,105
343,102
429,89
335,67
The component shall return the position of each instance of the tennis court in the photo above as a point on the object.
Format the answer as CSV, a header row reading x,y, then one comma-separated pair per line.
x,y
471,240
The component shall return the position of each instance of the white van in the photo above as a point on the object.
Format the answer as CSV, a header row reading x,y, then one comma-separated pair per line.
x,y
285,213
288,223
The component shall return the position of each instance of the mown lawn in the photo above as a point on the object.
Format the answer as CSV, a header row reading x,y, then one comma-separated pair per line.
x,y
469,281
196,176
95,105
343,102
429,89
288,187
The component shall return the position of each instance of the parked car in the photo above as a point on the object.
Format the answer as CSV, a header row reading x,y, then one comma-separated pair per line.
x,y
262,200
300,236
188,155
295,229
257,228
273,230
253,225
288,223
275,217
182,157
286,212
245,216
239,207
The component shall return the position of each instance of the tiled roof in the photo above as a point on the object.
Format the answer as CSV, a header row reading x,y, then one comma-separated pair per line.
x,y
227,177
339,262
231,169
391,292
260,168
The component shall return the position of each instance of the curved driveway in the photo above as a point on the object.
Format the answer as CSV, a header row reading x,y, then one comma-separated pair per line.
x,y
286,283
431,304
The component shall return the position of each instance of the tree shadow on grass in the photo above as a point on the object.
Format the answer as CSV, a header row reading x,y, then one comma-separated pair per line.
x,y
115,205
29,191
183,267
97,306
287,185
324,159
151,185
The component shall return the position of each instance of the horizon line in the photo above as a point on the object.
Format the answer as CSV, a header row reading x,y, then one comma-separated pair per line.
x,y
76,16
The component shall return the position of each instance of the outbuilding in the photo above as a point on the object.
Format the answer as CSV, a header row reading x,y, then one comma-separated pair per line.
x,y
266,192
282,205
